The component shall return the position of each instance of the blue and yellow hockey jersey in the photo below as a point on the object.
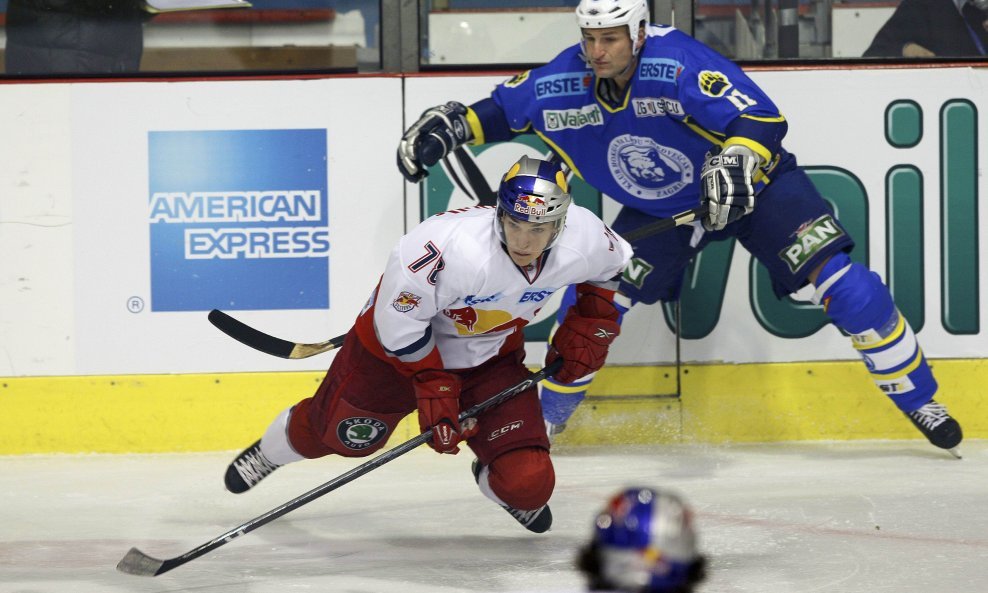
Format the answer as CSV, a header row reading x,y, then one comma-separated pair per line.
x,y
645,149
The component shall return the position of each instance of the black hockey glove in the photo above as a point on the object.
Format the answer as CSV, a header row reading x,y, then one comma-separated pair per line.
x,y
438,131
727,187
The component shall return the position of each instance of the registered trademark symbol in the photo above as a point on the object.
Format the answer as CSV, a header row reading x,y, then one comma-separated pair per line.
x,y
135,304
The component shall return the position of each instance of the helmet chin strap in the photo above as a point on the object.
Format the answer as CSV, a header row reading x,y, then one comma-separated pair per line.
x,y
631,65
635,50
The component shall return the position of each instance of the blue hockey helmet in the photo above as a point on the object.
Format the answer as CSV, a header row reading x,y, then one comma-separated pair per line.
x,y
534,190
644,541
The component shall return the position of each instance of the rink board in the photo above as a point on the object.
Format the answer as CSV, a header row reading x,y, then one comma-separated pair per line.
x,y
720,403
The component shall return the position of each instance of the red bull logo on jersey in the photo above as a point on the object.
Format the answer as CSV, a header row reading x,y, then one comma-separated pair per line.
x,y
465,317
406,301
471,321
530,206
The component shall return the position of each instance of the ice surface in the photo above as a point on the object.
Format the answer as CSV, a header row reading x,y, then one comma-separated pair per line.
x,y
871,517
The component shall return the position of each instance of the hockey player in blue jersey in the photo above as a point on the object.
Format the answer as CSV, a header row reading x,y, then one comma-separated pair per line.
x,y
662,123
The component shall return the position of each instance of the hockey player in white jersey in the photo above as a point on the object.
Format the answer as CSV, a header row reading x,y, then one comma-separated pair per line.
x,y
442,332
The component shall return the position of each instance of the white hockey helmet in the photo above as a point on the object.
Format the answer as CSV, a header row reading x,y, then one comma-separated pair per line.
x,y
534,190
602,14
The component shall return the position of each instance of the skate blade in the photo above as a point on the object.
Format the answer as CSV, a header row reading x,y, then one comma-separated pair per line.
x,y
956,452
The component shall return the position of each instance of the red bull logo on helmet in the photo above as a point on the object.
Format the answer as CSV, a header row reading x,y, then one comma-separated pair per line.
x,y
531,206
406,301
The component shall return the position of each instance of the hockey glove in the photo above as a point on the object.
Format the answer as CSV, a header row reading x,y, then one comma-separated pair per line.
x,y
584,337
437,133
438,395
727,186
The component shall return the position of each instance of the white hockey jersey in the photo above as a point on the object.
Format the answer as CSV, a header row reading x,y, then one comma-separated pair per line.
x,y
452,298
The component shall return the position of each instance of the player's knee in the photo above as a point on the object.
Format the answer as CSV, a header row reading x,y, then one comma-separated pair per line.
x,y
523,478
344,429
853,296
302,435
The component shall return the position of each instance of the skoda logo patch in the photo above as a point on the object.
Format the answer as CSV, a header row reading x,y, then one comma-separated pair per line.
x,y
646,169
360,432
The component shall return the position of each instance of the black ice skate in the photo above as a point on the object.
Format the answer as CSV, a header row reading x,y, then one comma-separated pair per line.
x,y
249,468
537,521
936,425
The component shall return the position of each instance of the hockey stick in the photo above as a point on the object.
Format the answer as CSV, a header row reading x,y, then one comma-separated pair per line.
x,y
664,224
138,563
259,340
467,176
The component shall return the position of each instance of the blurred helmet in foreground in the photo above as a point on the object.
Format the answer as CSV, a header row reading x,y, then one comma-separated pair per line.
x,y
644,542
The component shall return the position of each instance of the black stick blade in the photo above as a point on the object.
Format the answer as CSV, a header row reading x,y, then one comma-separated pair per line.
x,y
258,340
138,563
245,334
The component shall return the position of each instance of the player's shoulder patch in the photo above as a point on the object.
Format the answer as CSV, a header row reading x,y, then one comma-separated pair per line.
x,y
713,83
517,79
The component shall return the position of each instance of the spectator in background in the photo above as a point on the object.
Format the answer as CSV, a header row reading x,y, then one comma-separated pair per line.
x,y
643,542
933,28
74,36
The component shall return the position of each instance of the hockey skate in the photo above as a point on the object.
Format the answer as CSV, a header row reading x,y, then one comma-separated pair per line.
x,y
249,468
936,425
551,430
537,521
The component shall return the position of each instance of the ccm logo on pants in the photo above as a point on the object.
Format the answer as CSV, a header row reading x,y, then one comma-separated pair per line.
x,y
500,432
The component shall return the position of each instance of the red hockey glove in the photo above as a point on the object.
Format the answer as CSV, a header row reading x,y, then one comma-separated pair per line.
x,y
584,336
438,395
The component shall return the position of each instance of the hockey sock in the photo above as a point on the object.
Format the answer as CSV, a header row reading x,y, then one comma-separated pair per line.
x,y
274,443
560,400
859,303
